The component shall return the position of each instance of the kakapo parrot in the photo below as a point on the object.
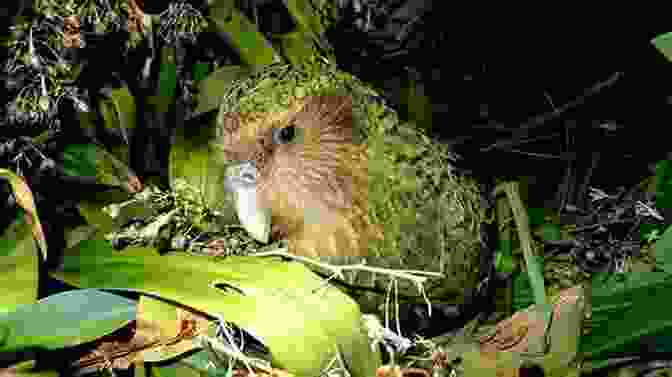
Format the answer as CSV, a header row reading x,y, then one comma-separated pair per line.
x,y
315,157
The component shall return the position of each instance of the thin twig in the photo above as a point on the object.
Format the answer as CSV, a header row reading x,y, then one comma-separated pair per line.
x,y
536,121
416,276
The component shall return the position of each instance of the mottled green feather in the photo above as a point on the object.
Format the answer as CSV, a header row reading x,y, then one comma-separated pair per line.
x,y
430,216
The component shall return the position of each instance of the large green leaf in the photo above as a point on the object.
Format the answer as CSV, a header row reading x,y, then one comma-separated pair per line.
x,y
168,73
302,319
663,251
19,259
213,87
118,110
306,15
625,311
92,160
24,199
64,320
663,43
242,35
296,46
116,181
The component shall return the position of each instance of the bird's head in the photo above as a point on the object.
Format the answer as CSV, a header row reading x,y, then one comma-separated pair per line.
x,y
303,167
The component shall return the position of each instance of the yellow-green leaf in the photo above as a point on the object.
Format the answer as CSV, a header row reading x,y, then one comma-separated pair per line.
x,y
24,198
301,319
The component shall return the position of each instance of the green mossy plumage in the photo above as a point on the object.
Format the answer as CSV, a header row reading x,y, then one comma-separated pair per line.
x,y
430,216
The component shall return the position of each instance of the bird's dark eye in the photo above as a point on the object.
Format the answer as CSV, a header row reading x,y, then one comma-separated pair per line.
x,y
285,135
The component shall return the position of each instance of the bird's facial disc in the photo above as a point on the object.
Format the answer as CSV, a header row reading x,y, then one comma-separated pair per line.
x,y
241,180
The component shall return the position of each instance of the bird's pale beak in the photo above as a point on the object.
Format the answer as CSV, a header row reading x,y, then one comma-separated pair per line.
x,y
241,181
